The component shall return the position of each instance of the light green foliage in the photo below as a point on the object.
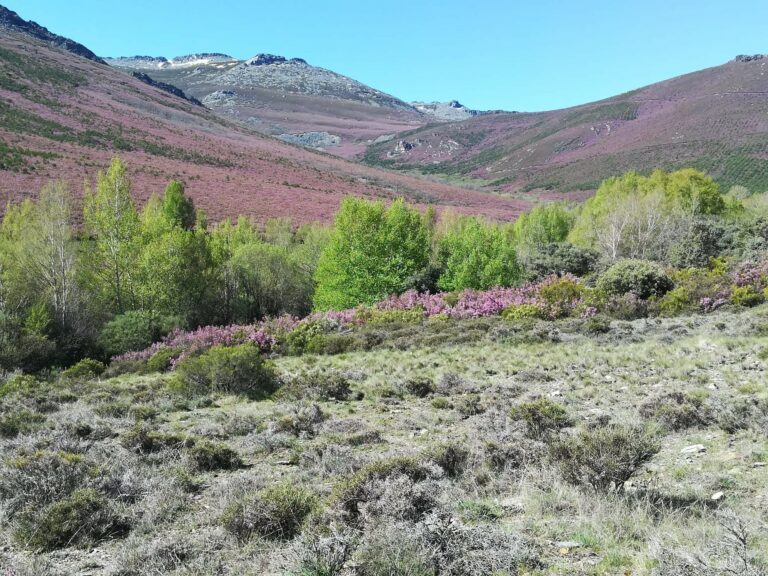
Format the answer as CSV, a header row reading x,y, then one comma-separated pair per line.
x,y
372,252
635,216
545,224
178,208
134,330
746,296
111,218
476,254
523,312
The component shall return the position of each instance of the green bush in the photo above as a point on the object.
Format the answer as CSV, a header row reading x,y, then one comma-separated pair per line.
x,y
160,361
559,258
561,296
746,296
523,312
597,324
208,456
541,417
230,369
470,405
300,338
678,411
414,316
330,344
84,370
276,513
84,518
134,330
676,302
603,458
452,458
640,277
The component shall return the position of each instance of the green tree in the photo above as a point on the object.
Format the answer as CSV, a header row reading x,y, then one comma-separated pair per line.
x,y
476,254
372,252
544,224
177,207
111,218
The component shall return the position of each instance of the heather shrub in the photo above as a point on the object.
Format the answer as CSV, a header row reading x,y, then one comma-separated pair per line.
x,y
236,369
746,296
134,330
330,344
603,458
598,324
541,417
678,411
82,518
523,312
413,316
640,277
395,549
324,552
84,370
316,385
744,414
208,456
626,307
276,513
298,339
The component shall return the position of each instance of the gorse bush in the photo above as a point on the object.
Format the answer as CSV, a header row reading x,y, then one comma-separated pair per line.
x,y
644,279
134,330
234,370
85,369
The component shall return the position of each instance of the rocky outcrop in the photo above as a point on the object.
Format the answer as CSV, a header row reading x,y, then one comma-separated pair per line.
x,y
312,139
208,57
448,111
165,87
9,20
749,58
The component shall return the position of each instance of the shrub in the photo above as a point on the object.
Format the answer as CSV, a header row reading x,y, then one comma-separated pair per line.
x,y
324,552
677,411
523,312
162,360
626,307
276,513
676,302
479,511
317,385
441,403
605,457
20,422
413,316
452,458
84,370
541,417
394,549
134,330
330,344
298,339
209,456
419,387
357,489
559,258
237,369
561,296
597,324
470,405
300,420
82,518
640,277
746,296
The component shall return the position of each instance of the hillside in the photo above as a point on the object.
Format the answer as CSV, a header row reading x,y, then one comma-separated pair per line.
x,y
715,119
63,115
288,98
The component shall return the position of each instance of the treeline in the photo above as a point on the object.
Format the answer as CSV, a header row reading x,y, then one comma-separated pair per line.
x,y
127,277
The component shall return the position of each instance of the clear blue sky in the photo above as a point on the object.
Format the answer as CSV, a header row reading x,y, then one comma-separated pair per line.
x,y
513,55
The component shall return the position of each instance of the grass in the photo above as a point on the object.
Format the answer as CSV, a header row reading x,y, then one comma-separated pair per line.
x,y
429,450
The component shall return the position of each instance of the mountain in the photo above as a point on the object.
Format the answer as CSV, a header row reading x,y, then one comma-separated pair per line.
x,y
64,114
448,111
715,119
287,98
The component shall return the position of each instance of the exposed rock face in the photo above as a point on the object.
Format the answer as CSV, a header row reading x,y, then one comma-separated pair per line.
x,y
312,139
159,62
165,87
12,21
748,58
449,111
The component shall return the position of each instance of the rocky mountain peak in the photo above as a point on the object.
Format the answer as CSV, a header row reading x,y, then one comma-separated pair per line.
x,y
9,20
748,57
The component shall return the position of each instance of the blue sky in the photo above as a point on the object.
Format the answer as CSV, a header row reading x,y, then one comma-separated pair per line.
x,y
489,54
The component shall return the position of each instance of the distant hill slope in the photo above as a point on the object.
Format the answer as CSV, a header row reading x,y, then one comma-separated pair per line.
x,y
63,115
715,119
288,98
